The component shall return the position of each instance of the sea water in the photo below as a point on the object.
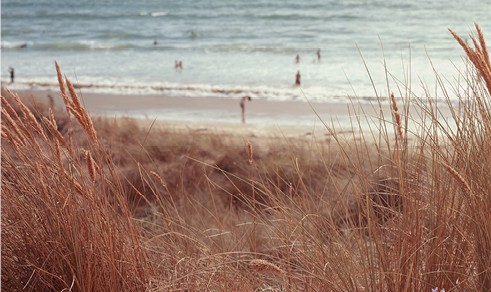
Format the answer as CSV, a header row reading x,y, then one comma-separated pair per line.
x,y
233,48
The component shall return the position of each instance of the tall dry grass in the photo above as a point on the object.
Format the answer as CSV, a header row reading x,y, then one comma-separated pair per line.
x,y
102,205
65,220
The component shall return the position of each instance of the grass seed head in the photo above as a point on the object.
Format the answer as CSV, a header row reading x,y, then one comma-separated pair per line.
x,y
261,265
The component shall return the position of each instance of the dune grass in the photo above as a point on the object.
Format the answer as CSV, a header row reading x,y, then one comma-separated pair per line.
x,y
104,205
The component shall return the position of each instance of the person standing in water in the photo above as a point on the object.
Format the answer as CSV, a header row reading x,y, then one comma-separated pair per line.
x,y
178,65
297,59
242,106
12,74
318,55
297,78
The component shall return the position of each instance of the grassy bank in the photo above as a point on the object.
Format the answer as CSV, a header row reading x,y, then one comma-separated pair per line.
x,y
106,205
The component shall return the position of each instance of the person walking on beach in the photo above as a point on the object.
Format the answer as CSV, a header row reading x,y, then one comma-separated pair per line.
x,y
12,74
242,106
297,78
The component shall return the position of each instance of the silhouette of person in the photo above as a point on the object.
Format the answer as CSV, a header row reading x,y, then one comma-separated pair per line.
x,y
242,106
180,65
155,42
12,74
297,78
297,59
318,55
176,64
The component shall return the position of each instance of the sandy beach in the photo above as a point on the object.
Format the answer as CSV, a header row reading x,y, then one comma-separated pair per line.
x,y
263,117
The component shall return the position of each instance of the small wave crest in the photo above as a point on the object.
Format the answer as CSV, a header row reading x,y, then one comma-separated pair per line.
x,y
121,42
290,93
83,45
154,14
14,45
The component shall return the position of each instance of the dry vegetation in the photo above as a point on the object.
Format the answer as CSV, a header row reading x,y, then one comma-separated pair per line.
x,y
103,205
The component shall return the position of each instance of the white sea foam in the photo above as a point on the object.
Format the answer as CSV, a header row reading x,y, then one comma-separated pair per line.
x,y
14,44
154,14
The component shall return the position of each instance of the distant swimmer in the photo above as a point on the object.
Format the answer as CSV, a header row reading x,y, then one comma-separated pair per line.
x,y
155,42
12,74
297,59
297,78
242,106
318,55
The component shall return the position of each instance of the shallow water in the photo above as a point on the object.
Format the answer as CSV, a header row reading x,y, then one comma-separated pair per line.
x,y
233,48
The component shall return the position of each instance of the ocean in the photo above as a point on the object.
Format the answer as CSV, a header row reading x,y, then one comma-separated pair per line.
x,y
233,48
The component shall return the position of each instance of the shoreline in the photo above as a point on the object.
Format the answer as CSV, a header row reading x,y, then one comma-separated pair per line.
x,y
263,117
111,102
